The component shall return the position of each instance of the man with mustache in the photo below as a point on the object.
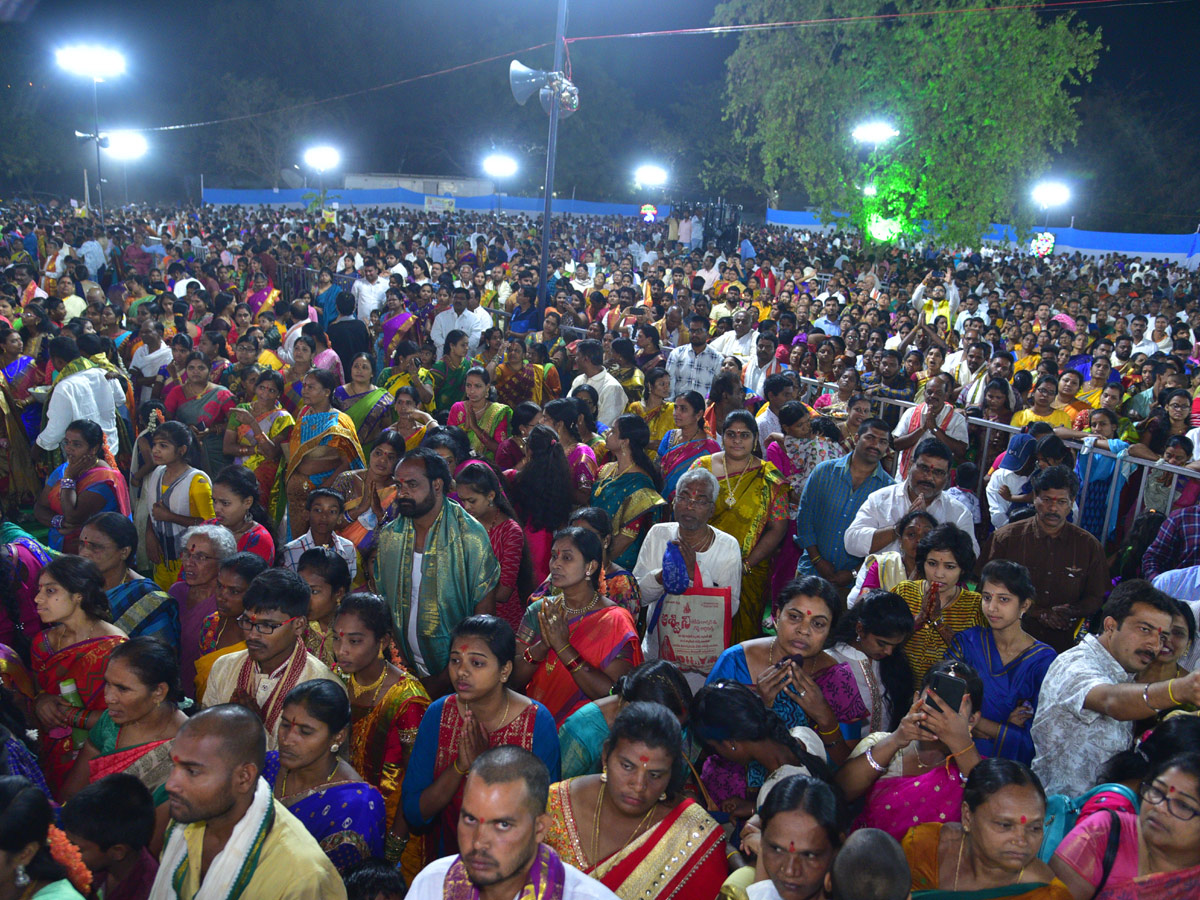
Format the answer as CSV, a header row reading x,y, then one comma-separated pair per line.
x,y
1066,563
273,620
1088,701
500,831
434,564
874,527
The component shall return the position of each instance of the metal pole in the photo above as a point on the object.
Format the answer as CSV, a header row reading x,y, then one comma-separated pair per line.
x,y
551,148
99,176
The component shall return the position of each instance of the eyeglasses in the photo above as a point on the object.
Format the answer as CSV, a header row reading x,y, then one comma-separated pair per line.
x,y
1154,795
926,469
245,623
198,557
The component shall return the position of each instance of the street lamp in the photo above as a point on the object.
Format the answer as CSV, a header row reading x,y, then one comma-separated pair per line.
x,y
322,158
499,166
650,175
97,63
874,133
1048,194
870,190
124,146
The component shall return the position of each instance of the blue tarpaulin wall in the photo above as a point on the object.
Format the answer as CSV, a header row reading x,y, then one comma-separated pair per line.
x,y
395,196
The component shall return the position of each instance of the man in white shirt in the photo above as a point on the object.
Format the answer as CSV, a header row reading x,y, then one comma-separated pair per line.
x,y
1141,343
500,829
763,365
83,394
739,342
457,317
149,358
368,292
710,273
590,360
1088,701
874,527
717,554
483,319
933,417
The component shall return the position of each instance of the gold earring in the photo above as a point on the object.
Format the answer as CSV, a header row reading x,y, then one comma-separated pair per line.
x,y
604,775
334,748
662,796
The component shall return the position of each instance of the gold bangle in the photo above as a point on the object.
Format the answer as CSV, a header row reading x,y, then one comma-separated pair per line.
x,y
454,762
1170,694
834,730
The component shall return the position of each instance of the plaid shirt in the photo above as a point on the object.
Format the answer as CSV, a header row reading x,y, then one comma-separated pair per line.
x,y
1177,545
691,371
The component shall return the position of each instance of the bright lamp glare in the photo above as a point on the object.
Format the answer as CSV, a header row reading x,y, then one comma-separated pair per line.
x,y
126,145
1051,193
322,158
650,175
498,165
870,190
91,61
874,132
883,230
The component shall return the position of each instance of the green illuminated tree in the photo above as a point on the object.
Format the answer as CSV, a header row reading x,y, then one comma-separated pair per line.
x,y
981,101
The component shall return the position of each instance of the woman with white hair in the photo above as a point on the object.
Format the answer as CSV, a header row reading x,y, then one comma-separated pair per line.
x,y
205,547
690,563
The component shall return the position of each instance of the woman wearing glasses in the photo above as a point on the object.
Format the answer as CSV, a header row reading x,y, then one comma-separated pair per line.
x,y
205,547
1158,851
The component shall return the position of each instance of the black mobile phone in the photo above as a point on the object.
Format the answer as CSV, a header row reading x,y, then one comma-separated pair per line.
x,y
796,658
950,688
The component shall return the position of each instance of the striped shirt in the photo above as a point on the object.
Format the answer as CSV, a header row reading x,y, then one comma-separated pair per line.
x,y
926,646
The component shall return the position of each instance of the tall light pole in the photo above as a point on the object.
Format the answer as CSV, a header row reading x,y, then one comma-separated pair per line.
x,y
1048,194
97,63
874,133
124,146
499,166
650,175
322,158
560,33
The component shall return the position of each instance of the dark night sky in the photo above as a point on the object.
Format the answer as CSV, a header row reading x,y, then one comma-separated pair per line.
x,y
1150,49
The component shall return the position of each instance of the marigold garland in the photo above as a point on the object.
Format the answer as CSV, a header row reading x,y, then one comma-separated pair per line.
x,y
68,856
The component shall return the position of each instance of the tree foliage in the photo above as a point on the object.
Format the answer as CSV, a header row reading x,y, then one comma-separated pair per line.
x,y
981,102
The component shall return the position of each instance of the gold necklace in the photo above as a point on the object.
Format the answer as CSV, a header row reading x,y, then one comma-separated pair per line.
x,y
357,689
771,655
283,784
705,544
596,826
961,843
583,609
732,498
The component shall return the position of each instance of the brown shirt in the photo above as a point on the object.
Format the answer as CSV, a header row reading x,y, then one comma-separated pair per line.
x,y
1069,568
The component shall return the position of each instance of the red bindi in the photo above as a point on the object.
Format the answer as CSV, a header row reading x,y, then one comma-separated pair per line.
x,y
808,612
791,846
646,759
462,648
1170,789
1023,820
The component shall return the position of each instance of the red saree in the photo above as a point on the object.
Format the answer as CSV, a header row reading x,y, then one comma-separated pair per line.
x,y
899,803
85,662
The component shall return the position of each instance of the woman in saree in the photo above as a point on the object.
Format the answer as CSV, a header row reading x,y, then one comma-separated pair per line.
x,y
325,356
212,345
240,378
344,813
138,606
806,441
591,430
1091,392
620,585
368,406
1158,851
655,408
253,436
481,494
75,643
397,325
563,416
449,373
632,828
483,712
1068,399
484,420
219,632
369,492
575,642
649,349
303,352
387,704
136,730
20,373
174,373
203,407
795,677
997,407
491,349
21,562
205,548
629,489
915,774
320,446
236,506
180,497
517,379
1011,663
836,403
260,294
510,455
998,857
686,442
326,295
585,732
751,506
85,484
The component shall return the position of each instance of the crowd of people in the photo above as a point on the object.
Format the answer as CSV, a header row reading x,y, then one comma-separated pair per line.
x,y
335,562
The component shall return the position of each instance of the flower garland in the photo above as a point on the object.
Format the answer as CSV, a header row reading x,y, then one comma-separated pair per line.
x,y
68,856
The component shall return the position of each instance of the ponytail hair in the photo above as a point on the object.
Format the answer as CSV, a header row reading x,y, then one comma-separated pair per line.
x,y
242,482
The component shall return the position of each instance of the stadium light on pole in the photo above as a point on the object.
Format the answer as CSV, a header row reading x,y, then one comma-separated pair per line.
x,y
499,166
874,133
650,175
321,158
1048,194
124,146
99,64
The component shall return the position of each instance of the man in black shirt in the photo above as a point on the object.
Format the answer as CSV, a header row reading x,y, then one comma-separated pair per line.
x,y
348,335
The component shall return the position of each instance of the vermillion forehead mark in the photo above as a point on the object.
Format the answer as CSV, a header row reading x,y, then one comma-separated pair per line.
x,y
1024,820
791,846
646,759
1170,789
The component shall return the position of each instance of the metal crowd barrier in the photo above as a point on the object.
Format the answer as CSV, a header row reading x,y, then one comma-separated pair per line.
x,y
1113,498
